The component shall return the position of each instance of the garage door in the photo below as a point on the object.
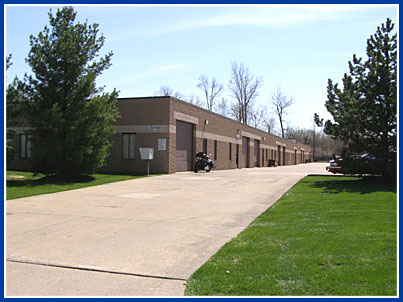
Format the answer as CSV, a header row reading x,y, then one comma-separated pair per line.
x,y
184,149
245,152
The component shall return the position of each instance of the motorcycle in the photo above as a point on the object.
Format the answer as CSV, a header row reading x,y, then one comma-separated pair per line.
x,y
203,162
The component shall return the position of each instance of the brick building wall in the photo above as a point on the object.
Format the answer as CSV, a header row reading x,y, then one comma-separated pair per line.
x,y
213,127
152,121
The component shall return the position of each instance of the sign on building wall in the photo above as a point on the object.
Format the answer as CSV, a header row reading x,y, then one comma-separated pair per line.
x,y
162,144
155,128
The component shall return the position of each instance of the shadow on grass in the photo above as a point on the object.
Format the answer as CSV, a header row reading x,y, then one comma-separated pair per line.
x,y
49,180
363,185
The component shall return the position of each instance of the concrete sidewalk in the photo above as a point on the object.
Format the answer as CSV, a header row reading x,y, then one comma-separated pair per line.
x,y
142,237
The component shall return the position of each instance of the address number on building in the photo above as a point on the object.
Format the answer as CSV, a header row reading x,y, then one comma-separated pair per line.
x,y
155,128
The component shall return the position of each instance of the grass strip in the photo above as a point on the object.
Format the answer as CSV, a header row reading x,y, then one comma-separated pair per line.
x,y
327,236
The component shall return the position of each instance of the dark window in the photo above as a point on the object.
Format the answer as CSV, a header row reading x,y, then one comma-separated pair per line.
x,y
25,146
230,151
129,145
205,145
237,156
215,150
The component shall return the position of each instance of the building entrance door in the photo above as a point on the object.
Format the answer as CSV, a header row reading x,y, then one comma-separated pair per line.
x,y
184,146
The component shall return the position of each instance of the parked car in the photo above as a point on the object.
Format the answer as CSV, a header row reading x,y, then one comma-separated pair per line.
x,y
335,165
355,164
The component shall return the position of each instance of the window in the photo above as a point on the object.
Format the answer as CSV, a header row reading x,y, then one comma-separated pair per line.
x,y
215,150
129,145
25,146
205,145
230,151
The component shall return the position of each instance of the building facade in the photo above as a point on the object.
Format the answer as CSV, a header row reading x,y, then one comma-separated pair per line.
x,y
177,130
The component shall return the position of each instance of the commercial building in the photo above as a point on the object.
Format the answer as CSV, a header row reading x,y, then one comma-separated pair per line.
x,y
177,130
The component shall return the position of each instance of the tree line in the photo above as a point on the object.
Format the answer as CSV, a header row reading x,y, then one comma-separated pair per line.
x,y
244,89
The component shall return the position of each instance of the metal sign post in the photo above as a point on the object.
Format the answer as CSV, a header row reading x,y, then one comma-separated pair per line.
x,y
147,154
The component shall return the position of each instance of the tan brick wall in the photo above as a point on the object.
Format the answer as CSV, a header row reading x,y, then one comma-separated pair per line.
x,y
116,163
155,118
148,119
225,130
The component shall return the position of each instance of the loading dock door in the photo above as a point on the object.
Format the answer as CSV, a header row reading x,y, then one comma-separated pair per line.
x,y
256,153
245,152
184,146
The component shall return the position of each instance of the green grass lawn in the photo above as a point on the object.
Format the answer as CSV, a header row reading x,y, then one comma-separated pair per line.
x,y
23,184
328,235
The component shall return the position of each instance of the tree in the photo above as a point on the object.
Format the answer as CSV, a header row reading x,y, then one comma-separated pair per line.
x,y
269,124
258,117
364,110
71,118
244,88
210,89
222,107
168,91
194,100
13,100
281,103
323,146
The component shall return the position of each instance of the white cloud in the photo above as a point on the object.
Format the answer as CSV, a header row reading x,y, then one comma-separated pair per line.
x,y
152,72
270,16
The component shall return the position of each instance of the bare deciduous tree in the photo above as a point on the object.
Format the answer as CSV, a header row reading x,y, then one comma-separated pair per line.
x,y
257,117
168,91
222,107
281,102
210,89
269,123
244,89
195,100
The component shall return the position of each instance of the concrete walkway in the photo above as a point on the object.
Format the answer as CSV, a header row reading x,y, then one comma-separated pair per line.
x,y
141,237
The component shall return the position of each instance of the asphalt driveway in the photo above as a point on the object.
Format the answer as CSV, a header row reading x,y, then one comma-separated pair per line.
x,y
141,237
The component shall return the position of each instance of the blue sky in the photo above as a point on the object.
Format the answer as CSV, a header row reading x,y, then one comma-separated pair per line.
x,y
295,47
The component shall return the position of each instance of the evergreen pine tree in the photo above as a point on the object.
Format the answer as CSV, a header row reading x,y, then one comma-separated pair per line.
x,y
13,114
365,110
71,118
